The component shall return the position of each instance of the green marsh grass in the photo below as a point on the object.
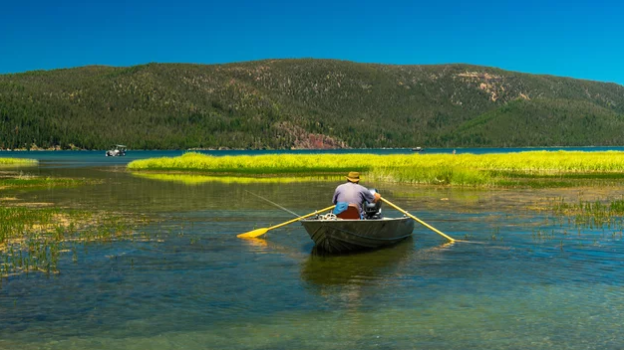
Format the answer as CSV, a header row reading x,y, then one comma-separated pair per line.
x,y
578,224
194,179
33,182
262,164
31,239
17,161
582,223
596,214
531,169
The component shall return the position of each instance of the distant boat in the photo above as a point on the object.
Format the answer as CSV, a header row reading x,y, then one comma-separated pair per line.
x,y
116,151
418,149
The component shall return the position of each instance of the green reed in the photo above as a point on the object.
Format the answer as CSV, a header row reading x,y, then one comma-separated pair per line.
x,y
197,179
593,214
18,161
544,162
32,239
524,169
21,181
433,176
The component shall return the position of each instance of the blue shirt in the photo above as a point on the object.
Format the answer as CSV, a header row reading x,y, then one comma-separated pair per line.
x,y
353,193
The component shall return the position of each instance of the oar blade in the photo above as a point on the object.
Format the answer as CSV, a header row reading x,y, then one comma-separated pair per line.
x,y
261,231
253,234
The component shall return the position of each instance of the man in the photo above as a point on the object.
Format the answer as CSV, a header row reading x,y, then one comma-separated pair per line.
x,y
353,194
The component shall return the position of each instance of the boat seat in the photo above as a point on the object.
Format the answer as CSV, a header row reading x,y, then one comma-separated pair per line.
x,y
352,213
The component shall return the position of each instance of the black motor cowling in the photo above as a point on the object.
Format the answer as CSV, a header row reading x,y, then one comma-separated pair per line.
x,y
372,210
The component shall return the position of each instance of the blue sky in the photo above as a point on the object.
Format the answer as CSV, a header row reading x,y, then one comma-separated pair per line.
x,y
581,39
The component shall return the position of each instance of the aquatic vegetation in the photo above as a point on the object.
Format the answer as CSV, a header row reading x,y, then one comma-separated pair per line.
x,y
17,161
580,223
200,179
593,214
33,235
559,162
438,175
261,164
34,182
532,169
22,181
32,238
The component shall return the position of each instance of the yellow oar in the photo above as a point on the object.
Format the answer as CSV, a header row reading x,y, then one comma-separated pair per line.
x,y
451,240
261,231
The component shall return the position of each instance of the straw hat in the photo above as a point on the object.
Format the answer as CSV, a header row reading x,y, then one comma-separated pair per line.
x,y
353,176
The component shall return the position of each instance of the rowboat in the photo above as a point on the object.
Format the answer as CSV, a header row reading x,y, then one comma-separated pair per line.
x,y
343,236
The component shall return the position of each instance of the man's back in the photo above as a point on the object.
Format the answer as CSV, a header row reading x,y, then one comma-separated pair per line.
x,y
353,193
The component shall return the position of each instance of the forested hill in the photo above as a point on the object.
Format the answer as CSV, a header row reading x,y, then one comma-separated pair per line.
x,y
304,103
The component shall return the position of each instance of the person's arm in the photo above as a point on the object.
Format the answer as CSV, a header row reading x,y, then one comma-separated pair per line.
x,y
368,196
377,197
336,193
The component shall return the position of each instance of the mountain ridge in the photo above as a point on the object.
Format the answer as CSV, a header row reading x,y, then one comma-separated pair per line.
x,y
305,103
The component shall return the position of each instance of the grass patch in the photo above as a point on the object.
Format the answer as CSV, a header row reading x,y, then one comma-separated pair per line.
x,y
32,239
438,175
17,161
593,214
18,180
33,235
39,182
262,164
535,169
200,179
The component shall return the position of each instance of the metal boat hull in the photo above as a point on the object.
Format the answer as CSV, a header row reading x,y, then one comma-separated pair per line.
x,y
342,236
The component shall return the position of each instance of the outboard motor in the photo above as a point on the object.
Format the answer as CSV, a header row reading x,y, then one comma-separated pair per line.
x,y
372,211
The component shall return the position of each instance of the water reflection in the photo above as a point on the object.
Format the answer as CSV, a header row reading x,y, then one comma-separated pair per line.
x,y
321,269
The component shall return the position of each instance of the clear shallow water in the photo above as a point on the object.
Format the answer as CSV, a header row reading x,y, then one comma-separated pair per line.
x,y
194,285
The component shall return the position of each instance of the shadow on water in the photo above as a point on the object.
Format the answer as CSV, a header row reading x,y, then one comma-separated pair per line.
x,y
323,269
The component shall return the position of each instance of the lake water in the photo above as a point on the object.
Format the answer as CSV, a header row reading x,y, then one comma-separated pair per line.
x,y
194,285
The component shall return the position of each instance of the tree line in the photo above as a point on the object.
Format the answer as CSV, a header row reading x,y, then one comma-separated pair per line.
x,y
278,104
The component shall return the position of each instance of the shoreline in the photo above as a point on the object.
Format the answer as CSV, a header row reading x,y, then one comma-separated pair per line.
x,y
424,150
